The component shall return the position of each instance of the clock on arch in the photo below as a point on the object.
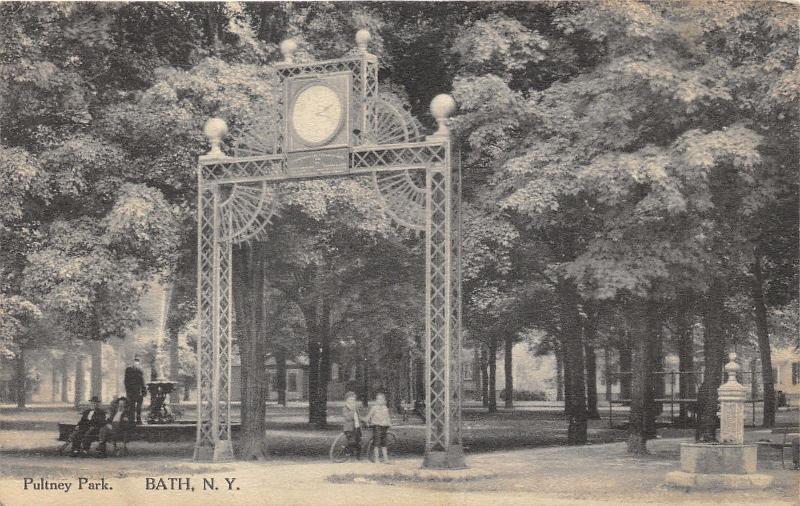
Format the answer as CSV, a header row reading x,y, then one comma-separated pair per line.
x,y
318,112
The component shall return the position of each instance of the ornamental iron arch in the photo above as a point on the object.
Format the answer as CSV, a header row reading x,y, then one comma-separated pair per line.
x,y
412,173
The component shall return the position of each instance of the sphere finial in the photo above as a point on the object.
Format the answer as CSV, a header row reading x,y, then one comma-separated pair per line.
x,y
362,39
215,130
442,107
288,47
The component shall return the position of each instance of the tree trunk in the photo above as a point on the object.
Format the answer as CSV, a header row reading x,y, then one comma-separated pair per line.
x,y
591,382
64,380
637,420
559,373
477,371
313,374
655,382
250,304
174,365
567,376
685,345
607,371
97,369
419,376
753,379
363,390
20,378
484,377
625,364
762,330
575,378
79,385
714,352
254,394
325,365
280,375
53,379
493,376
508,365
590,337
318,327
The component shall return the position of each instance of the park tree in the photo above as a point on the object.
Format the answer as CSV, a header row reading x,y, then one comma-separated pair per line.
x,y
62,68
490,295
633,195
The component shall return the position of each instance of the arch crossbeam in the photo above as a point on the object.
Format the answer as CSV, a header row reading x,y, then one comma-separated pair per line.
x,y
361,160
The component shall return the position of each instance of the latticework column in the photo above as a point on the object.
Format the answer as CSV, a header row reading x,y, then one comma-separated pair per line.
x,y
214,328
442,342
204,445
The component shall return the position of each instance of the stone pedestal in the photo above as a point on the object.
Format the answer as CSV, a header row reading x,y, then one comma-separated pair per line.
x,y
731,464
697,481
452,458
718,459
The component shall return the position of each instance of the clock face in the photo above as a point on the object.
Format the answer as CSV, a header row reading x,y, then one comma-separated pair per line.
x,y
317,114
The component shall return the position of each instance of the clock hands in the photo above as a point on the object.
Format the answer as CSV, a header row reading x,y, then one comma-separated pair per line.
x,y
320,112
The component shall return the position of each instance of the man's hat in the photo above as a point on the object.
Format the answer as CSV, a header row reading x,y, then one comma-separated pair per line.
x,y
349,395
94,399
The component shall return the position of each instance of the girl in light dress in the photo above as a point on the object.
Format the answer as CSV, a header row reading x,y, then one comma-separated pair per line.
x,y
379,418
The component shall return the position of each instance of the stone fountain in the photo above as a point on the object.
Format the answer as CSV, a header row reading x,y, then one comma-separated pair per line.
x,y
729,463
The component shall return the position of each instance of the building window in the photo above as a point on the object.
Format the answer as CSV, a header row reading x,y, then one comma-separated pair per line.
x,y
795,373
775,378
291,383
467,372
334,372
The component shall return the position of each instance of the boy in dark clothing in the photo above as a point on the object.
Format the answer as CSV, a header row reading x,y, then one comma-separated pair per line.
x,y
352,425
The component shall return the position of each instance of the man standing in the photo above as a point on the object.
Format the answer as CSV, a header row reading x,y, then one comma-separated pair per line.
x,y
92,420
135,388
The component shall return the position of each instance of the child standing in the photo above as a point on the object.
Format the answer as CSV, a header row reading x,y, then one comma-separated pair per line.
x,y
379,418
352,425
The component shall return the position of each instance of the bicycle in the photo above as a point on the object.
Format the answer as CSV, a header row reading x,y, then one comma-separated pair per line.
x,y
339,452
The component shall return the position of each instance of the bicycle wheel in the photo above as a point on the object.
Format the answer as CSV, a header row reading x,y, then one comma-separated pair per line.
x,y
391,441
338,451
370,446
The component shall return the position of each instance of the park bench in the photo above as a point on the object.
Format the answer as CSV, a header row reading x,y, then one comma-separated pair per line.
x,y
66,430
791,436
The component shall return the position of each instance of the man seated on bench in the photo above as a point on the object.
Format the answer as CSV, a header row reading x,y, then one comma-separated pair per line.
x,y
92,420
117,424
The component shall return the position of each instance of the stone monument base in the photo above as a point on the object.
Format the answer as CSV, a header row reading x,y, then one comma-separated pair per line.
x,y
453,458
718,466
707,458
697,481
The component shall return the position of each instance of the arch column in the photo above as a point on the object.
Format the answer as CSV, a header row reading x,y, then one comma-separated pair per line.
x,y
443,447
214,342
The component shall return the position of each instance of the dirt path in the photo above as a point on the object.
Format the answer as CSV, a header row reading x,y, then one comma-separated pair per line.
x,y
600,474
